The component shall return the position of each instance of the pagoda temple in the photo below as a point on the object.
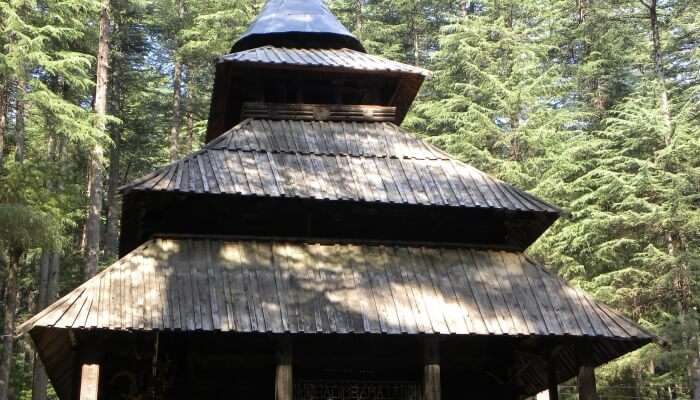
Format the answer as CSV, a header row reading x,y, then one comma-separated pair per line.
x,y
314,250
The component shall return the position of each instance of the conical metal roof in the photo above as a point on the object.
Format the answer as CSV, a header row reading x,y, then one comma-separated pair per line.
x,y
297,23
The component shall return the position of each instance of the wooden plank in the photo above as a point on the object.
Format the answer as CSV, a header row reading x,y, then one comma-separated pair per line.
x,y
426,178
487,269
318,112
235,167
252,173
89,381
391,188
428,291
561,308
267,177
431,370
462,193
224,307
511,297
347,177
445,293
552,380
399,292
543,300
419,191
311,179
268,289
217,314
325,184
163,281
232,255
454,271
185,279
413,290
524,294
283,371
115,300
441,182
389,318
303,287
149,294
399,177
586,381
370,310
251,284
282,287
221,171
479,287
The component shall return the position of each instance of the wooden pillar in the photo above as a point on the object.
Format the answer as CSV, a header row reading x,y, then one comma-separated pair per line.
x,y
431,369
89,381
552,380
586,383
586,373
283,372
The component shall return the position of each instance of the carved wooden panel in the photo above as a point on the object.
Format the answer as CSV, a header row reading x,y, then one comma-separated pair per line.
x,y
318,112
356,390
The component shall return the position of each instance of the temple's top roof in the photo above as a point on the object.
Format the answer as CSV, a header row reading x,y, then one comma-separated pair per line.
x,y
325,59
306,23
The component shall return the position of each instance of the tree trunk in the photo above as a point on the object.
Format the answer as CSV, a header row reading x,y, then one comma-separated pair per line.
x,y
657,58
113,209
359,19
111,242
97,153
175,124
3,120
8,332
19,122
40,380
696,372
177,93
190,111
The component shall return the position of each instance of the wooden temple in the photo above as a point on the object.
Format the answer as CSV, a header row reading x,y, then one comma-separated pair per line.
x,y
314,250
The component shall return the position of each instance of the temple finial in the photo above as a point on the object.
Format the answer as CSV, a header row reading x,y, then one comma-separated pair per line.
x,y
297,23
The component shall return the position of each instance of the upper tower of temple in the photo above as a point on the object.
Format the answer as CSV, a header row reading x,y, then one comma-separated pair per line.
x,y
297,24
303,141
297,61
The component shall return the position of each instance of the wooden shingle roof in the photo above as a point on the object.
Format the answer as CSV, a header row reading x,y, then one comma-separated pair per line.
x,y
357,161
284,287
337,59
273,286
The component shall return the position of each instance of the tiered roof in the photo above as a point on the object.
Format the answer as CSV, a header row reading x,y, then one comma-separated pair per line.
x,y
330,160
263,286
353,165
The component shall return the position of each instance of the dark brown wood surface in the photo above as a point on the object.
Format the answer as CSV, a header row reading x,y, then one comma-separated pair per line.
x,y
378,162
403,289
318,112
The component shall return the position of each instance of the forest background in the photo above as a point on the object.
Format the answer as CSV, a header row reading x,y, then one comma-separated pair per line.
x,y
593,105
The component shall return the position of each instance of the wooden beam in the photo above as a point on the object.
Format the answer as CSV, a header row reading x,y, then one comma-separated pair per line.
x,y
552,380
586,374
89,381
283,373
431,369
586,383
318,112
